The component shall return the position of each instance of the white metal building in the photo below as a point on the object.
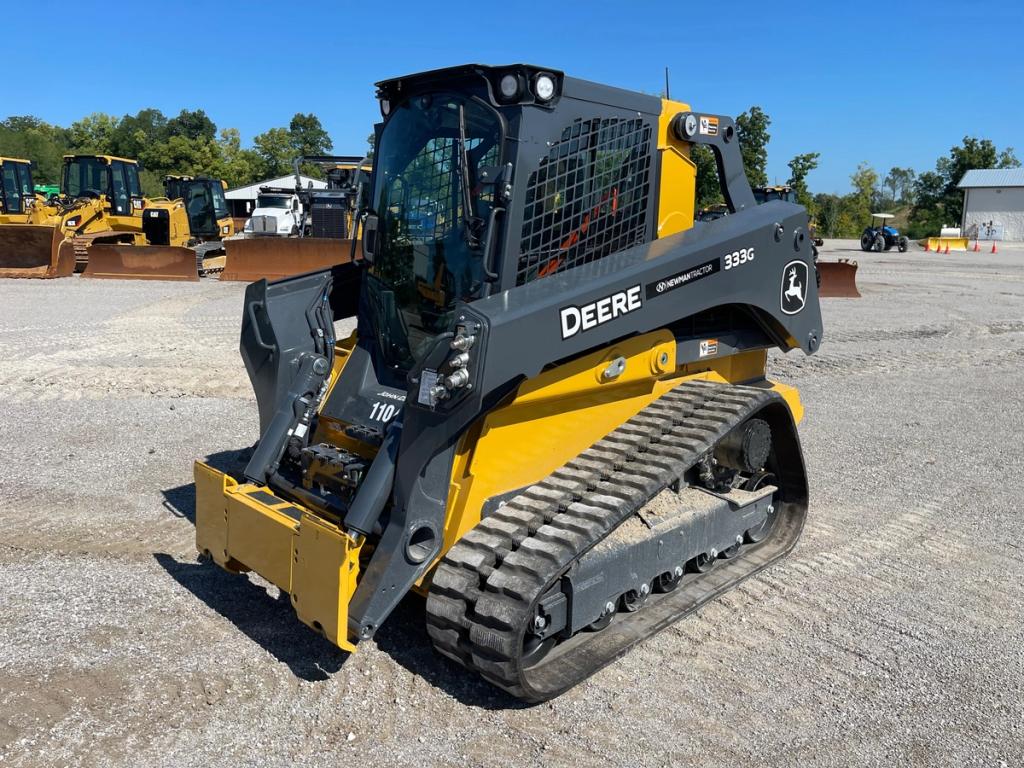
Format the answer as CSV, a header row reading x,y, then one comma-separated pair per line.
x,y
993,204
243,199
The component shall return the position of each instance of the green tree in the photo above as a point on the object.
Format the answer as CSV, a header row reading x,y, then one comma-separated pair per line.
x,y
929,212
829,210
865,189
900,183
799,167
308,136
753,136
709,191
237,166
32,139
138,133
1007,159
194,125
94,133
275,151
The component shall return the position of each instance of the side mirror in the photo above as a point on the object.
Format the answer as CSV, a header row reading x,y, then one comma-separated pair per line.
x,y
295,205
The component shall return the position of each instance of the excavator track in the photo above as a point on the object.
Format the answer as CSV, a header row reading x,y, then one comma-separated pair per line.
x,y
486,590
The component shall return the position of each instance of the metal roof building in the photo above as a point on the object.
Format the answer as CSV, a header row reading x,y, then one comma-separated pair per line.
x,y
993,203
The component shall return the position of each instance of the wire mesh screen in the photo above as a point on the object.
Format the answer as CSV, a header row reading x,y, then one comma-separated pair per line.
x,y
431,209
433,196
588,198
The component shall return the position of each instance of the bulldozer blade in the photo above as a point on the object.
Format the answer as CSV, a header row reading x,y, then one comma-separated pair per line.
x,y
273,258
838,279
33,250
141,262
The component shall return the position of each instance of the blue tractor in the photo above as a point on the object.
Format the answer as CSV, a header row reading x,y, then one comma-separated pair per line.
x,y
879,237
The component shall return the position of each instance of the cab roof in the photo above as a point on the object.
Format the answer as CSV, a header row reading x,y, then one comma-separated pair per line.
x,y
107,158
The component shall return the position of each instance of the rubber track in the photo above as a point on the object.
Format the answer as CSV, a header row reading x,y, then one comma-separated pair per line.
x,y
484,589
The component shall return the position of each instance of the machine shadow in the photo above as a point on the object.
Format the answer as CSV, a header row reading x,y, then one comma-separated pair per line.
x,y
268,621
272,623
403,637
180,501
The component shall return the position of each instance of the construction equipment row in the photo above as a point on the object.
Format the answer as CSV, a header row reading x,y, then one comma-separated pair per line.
x,y
101,225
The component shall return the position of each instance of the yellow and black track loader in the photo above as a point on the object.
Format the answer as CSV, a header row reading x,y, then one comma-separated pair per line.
x,y
183,235
554,419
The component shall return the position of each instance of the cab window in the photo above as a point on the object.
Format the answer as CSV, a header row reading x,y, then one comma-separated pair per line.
x,y
132,175
11,189
86,176
220,203
121,199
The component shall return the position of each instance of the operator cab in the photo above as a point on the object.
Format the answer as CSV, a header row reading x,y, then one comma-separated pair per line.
x,y
95,176
204,202
16,188
461,178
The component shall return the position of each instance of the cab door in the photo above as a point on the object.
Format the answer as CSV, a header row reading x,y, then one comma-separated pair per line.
x,y
126,192
12,199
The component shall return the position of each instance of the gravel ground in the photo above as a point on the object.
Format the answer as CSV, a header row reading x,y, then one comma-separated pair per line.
x,y
892,635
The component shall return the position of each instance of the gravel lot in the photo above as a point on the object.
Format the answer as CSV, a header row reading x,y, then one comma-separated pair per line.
x,y
893,635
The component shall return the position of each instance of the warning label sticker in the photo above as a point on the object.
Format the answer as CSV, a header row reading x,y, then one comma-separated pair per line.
x,y
709,126
709,347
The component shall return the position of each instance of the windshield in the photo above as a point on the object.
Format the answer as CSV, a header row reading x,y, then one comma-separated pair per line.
x,y
86,176
429,252
273,201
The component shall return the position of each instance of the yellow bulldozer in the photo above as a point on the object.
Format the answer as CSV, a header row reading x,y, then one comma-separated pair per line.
x,y
183,235
100,202
554,419
322,223
29,227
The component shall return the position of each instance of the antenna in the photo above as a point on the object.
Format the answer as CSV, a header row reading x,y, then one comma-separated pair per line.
x,y
666,84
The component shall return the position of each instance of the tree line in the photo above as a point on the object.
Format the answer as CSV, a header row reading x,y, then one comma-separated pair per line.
x,y
189,143
930,200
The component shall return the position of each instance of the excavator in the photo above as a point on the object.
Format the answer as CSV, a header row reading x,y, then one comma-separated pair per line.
x,y
100,202
326,233
568,441
183,235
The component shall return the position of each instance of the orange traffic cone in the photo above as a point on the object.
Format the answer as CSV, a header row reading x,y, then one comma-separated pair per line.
x,y
976,246
994,247
946,252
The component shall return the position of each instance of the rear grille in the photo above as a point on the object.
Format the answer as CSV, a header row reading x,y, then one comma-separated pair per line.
x,y
588,199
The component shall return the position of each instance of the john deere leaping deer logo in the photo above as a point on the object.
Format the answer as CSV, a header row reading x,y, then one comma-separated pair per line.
x,y
794,287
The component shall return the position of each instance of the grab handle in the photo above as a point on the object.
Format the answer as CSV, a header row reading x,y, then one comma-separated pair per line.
x,y
251,311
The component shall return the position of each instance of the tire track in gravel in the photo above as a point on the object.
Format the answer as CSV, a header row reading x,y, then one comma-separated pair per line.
x,y
793,593
137,353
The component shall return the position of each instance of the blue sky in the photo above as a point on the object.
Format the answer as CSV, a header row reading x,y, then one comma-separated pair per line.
x,y
894,85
